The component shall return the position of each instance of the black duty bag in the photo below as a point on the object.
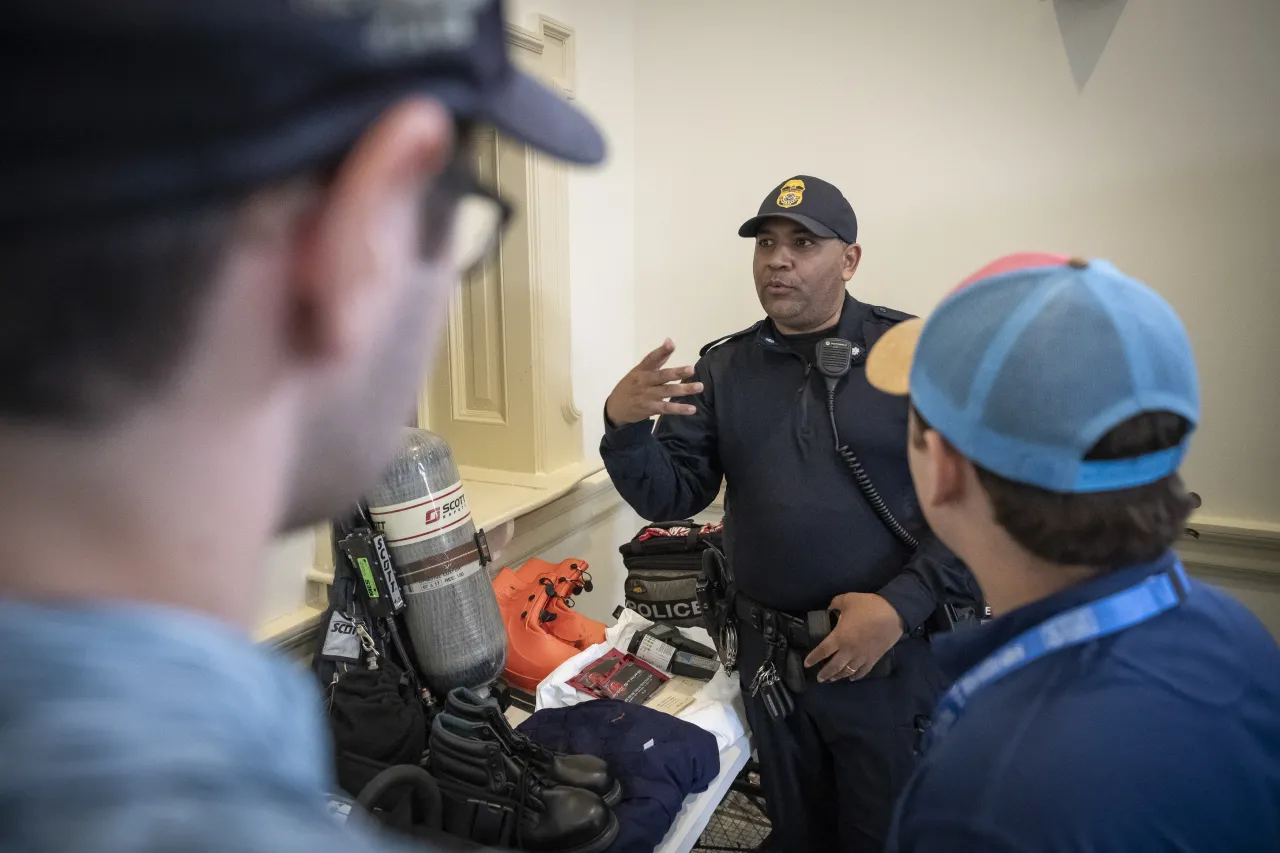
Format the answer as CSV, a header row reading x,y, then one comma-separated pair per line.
x,y
377,722
664,562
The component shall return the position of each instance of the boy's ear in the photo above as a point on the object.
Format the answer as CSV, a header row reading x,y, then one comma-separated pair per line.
x,y
949,469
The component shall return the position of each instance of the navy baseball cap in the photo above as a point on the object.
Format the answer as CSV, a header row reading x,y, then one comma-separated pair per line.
x,y
811,202
126,104
1036,357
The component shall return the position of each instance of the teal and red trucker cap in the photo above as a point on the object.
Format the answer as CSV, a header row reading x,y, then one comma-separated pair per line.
x,y
1033,359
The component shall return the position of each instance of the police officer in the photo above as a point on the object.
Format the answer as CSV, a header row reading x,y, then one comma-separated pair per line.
x,y
800,534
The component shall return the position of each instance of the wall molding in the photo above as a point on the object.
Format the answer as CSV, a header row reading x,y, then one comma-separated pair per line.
x,y
523,39
1225,547
593,499
1229,548
565,77
300,639
475,335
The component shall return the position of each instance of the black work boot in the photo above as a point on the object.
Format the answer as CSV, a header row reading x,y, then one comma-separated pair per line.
x,y
580,771
495,798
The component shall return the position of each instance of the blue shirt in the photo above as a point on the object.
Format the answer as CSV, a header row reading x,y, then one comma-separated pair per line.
x,y
139,729
1163,737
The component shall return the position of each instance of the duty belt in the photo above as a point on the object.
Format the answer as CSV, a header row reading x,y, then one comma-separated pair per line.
x,y
800,631
794,629
788,636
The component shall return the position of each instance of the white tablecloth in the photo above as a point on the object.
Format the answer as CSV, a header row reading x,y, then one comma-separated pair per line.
x,y
717,707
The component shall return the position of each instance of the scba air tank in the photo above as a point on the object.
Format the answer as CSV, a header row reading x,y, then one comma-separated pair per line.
x,y
450,607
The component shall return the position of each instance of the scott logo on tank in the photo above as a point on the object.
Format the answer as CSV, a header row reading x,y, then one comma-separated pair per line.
x,y
453,507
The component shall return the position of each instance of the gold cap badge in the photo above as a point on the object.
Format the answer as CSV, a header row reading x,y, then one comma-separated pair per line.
x,y
792,194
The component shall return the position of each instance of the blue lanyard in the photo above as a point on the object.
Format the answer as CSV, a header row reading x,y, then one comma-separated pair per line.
x,y
1124,609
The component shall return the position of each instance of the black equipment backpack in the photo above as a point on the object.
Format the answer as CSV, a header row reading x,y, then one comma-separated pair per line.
x,y
664,562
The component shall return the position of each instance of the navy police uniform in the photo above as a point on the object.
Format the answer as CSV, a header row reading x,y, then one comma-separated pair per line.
x,y
798,532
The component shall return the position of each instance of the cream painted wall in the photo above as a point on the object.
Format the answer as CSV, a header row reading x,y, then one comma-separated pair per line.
x,y
1259,594
601,201
959,132
284,584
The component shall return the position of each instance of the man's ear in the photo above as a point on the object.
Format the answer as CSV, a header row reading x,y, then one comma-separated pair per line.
x,y
357,248
852,255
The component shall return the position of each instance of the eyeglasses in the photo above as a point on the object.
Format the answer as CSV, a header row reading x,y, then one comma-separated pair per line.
x,y
480,217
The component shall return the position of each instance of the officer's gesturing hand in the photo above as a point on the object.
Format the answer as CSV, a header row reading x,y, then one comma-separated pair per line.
x,y
648,388
868,627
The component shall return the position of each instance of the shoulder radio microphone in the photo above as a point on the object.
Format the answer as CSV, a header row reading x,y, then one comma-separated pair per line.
x,y
834,357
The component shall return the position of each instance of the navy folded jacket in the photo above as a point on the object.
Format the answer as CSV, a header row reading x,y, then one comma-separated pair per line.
x,y
658,758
